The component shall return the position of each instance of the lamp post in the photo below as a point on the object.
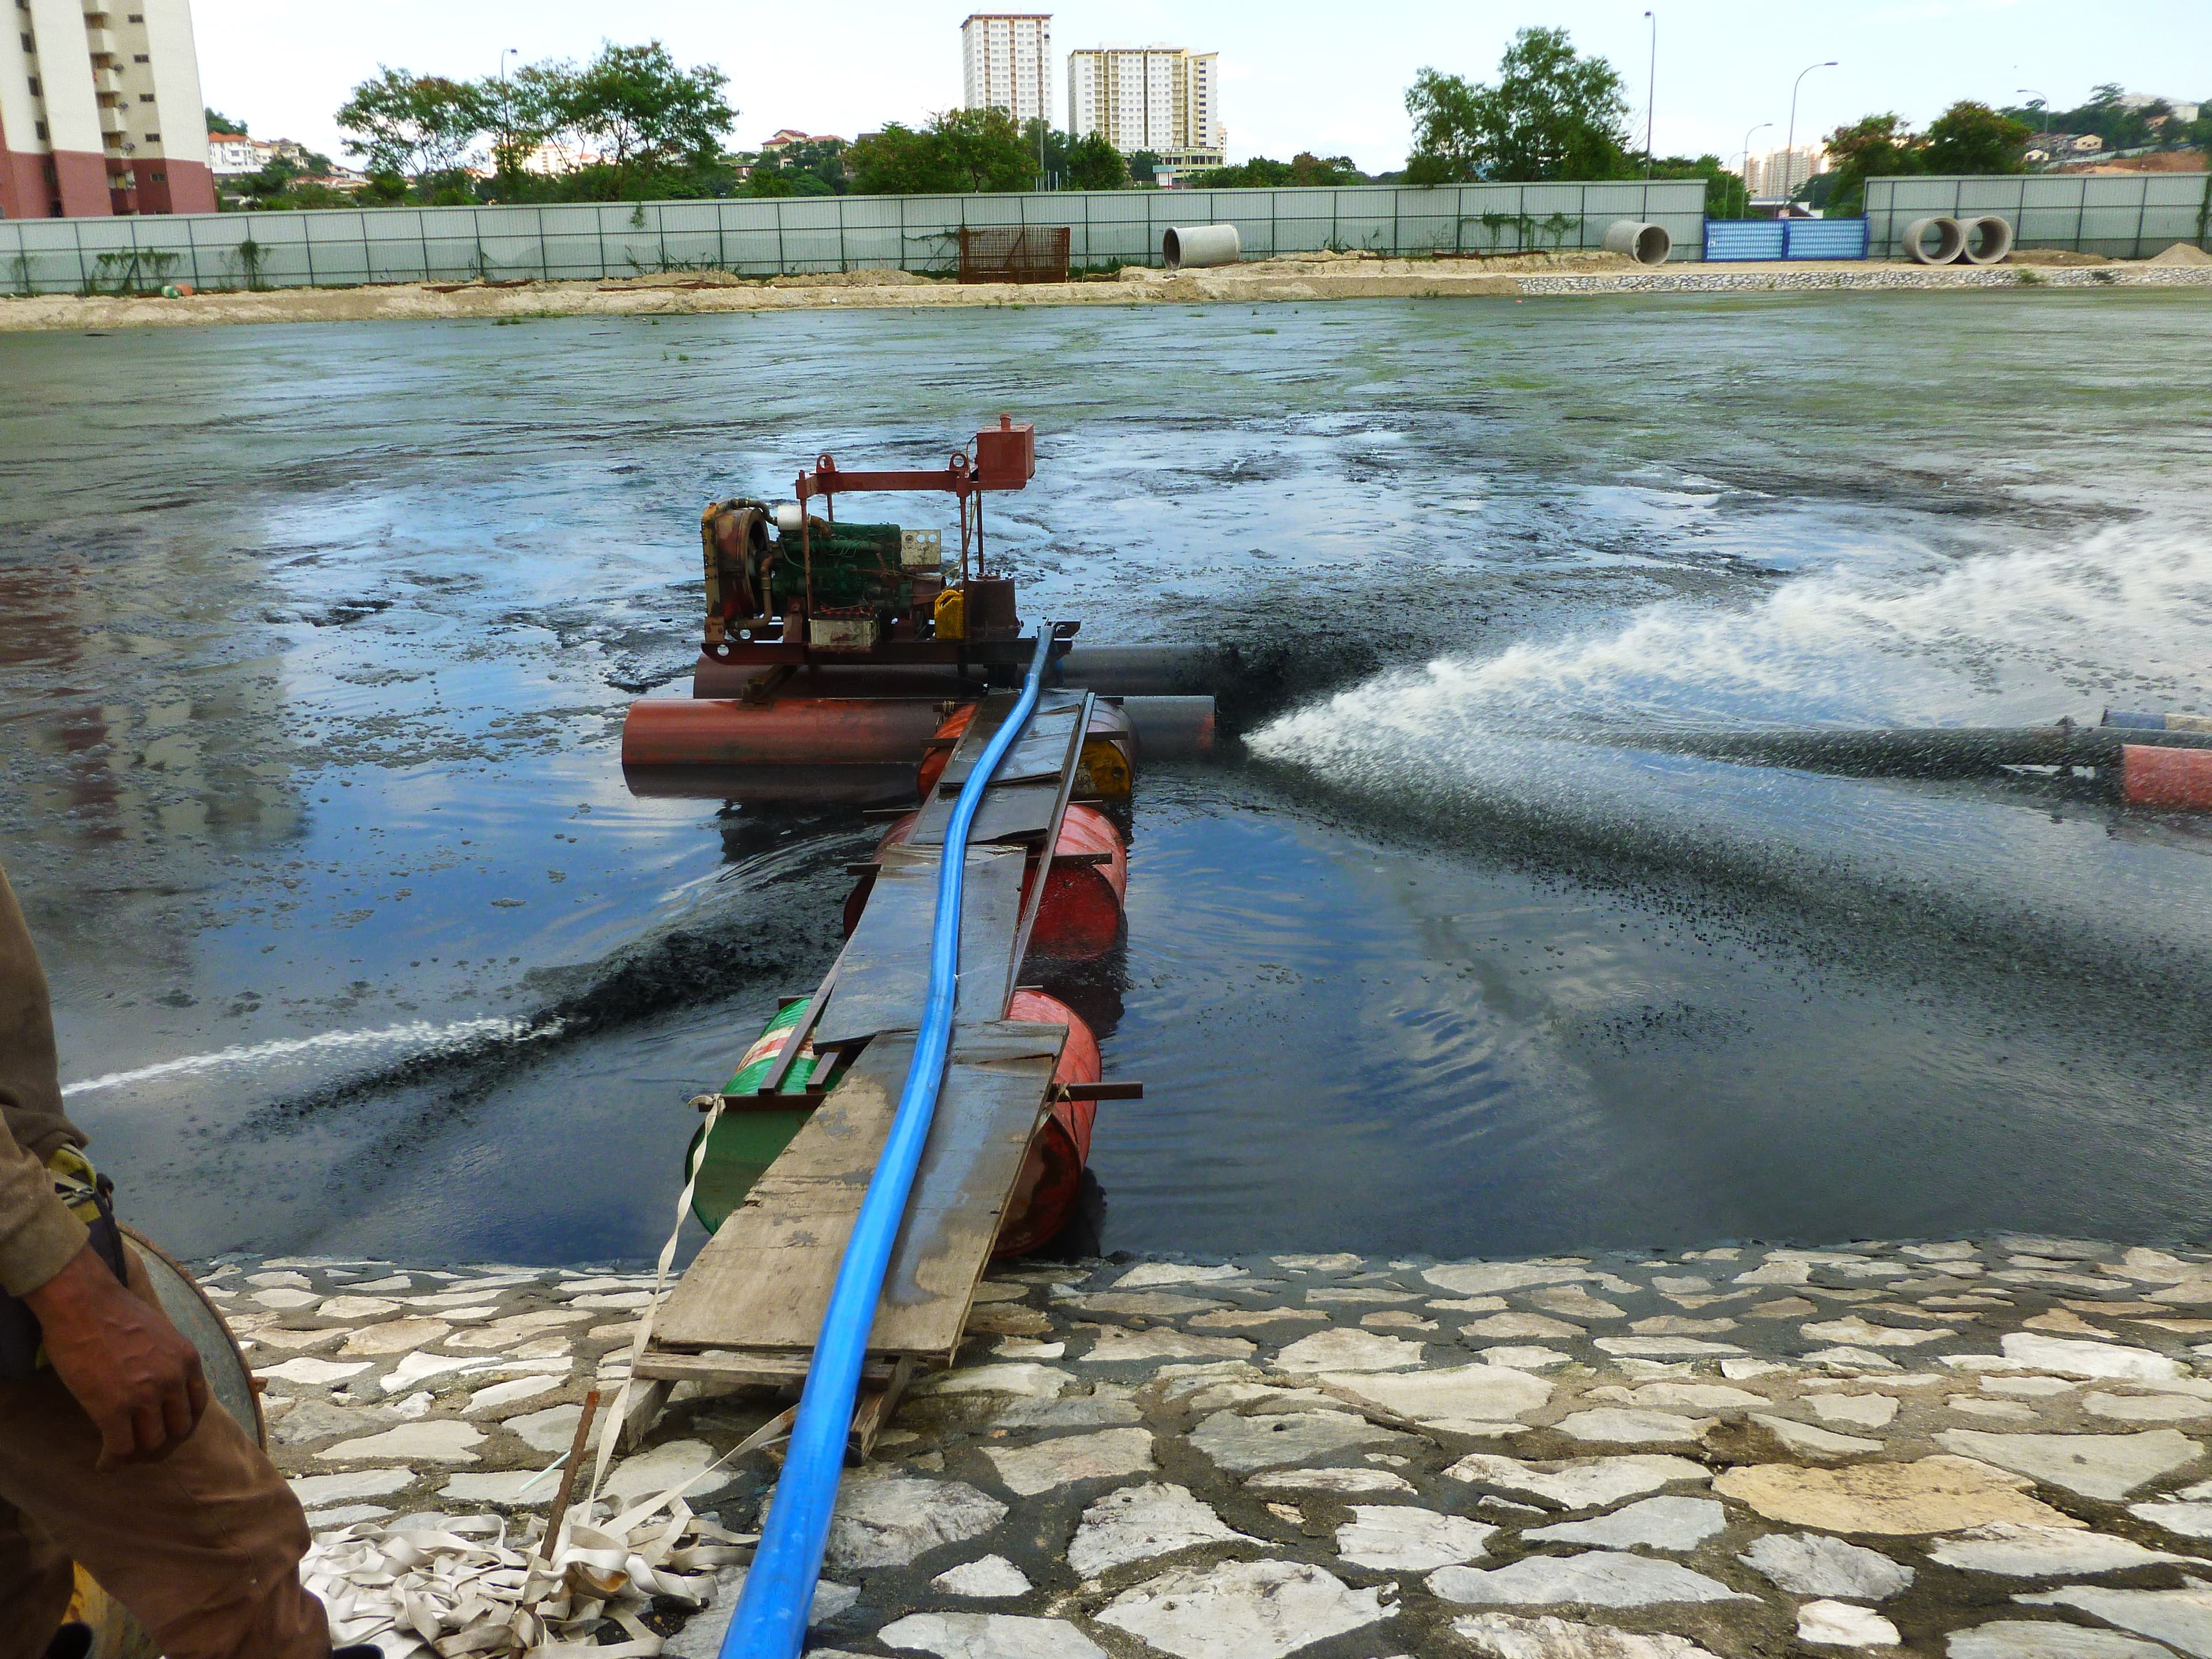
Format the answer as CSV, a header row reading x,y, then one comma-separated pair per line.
x,y
506,114
2040,103
1761,127
1651,90
1789,144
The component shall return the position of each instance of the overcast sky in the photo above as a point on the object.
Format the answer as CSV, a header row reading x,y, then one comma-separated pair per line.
x,y
1296,74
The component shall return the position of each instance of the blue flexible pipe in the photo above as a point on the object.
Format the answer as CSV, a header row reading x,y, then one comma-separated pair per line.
x,y
770,1620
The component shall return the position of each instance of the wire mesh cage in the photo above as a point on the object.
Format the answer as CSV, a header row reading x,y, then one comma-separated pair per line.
x,y
1013,253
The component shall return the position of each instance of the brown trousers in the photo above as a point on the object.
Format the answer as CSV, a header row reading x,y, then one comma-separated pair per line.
x,y
202,1546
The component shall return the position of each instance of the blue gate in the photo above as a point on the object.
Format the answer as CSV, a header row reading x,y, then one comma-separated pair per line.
x,y
1785,239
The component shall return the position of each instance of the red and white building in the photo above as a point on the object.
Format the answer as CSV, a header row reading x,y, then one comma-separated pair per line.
x,y
101,111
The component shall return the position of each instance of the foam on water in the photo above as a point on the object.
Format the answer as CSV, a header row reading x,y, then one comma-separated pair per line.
x,y
2022,637
417,1038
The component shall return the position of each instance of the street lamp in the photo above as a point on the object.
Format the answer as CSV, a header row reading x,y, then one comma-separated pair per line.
x,y
1651,90
1789,144
506,112
1761,127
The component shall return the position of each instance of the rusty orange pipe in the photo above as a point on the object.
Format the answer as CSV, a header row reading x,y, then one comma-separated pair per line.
x,y
2166,777
789,732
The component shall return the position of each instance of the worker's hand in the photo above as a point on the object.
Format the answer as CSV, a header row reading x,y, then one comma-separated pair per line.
x,y
137,1378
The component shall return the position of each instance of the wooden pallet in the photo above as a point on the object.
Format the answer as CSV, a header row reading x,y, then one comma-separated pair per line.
x,y
748,1309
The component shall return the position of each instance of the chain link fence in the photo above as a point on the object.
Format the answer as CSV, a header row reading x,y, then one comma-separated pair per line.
x,y
791,235
2119,215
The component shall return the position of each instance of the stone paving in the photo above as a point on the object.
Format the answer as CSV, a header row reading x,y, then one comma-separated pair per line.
x,y
1987,1450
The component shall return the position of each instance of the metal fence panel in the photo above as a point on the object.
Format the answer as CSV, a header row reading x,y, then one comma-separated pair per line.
x,y
2125,216
588,242
1743,238
1824,238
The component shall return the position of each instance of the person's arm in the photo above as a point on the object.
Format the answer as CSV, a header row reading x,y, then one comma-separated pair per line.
x,y
136,1377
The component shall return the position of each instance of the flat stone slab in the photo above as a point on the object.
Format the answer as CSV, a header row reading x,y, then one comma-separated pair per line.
x,y
1617,1426
1597,1578
1110,1455
1348,1350
2036,1638
1580,1483
2109,1466
887,1521
1659,1523
1930,1495
1502,1636
1138,1523
1809,1564
1840,1625
991,1578
2044,1551
1242,1444
1242,1610
1485,1394
1336,1482
987,1636
2099,1359
1398,1537
2181,1619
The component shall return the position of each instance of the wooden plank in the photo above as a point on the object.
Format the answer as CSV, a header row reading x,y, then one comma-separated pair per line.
x,y
885,977
873,1410
1010,809
1050,841
1035,754
762,1281
746,1368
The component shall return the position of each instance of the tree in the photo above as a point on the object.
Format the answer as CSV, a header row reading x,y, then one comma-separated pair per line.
x,y
218,122
1259,174
1094,164
959,152
1725,195
805,167
639,108
1553,114
418,127
1144,164
1049,150
1872,147
1971,137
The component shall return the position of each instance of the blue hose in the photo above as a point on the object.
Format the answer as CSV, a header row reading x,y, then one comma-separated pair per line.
x,y
770,1620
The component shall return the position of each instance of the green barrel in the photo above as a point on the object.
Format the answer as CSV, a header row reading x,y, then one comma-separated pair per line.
x,y
746,1143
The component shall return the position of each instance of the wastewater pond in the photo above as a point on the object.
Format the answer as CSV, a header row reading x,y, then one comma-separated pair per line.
x,y
315,644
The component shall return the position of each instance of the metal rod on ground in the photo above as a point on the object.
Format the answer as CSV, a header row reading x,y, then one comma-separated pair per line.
x,y
568,1475
770,1620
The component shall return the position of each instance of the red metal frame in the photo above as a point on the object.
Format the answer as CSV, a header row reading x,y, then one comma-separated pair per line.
x,y
1006,459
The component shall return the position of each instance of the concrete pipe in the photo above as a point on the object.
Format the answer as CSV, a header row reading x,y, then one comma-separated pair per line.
x,y
1648,244
1195,248
1988,240
1950,240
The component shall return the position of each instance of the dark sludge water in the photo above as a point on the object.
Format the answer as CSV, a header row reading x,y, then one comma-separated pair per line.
x,y
315,643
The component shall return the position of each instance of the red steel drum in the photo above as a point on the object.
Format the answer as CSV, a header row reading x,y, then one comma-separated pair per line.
x,y
1051,1183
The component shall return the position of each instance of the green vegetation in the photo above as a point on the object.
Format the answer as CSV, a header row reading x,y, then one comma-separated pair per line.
x,y
1304,168
1967,138
218,122
806,166
960,150
648,126
2151,127
1553,113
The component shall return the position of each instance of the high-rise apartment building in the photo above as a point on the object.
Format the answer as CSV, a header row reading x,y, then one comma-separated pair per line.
x,y
1775,176
1160,99
1005,61
101,111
